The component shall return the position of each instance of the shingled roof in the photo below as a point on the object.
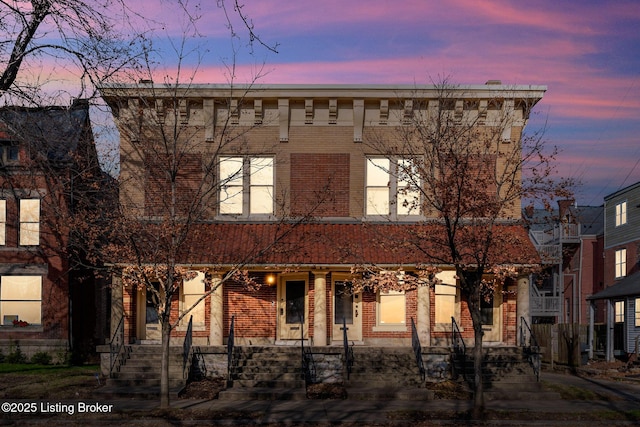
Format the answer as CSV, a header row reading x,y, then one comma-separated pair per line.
x,y
344,244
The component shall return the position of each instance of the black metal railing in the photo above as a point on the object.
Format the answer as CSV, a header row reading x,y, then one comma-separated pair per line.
x,y
230,349
118,351
308,365
186,349
417,350
530,345
459,351
348,351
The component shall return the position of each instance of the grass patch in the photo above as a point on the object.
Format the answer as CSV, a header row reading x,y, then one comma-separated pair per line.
x,y
569,392
48,382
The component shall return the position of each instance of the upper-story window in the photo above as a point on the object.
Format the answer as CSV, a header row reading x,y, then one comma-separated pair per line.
x,y
621,213
247,185
391,187
621,263
9,153
29,222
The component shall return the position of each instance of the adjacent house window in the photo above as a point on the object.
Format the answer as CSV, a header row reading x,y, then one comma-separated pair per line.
x,y
20,300
637,323
621,263
246,186
391,187
9,153
3,222
391,308
621,213
192,290
619,311
29,222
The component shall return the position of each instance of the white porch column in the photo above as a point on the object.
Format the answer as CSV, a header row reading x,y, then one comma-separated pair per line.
x,y
423,321
216,318
522,304
117,304
320,308
610,325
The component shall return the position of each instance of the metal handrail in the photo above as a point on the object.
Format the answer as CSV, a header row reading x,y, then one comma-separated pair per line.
x,y
417,350
187,346
456,338
348,351
230,348
308,365
116,346
532,349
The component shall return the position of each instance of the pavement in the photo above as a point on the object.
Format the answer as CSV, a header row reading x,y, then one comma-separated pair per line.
x,y
616,398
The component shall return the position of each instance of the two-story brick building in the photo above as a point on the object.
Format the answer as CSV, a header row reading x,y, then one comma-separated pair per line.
x,y
47,301
621,273
300,152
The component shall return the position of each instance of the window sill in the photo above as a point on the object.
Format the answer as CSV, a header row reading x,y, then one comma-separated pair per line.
x,y
390,328
21,329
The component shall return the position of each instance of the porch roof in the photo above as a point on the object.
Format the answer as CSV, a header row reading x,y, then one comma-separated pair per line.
x,y
350,244
629,286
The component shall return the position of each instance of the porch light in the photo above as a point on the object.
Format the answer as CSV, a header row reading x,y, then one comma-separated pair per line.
x,y
270,279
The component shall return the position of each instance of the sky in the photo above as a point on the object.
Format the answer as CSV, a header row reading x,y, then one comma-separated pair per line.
x,y
586,52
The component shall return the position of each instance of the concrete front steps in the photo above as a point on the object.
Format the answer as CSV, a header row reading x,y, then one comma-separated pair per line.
x,y
507,375
266,373
386,373
139,375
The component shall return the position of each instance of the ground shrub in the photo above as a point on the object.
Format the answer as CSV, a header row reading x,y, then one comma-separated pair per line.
x,y
41,358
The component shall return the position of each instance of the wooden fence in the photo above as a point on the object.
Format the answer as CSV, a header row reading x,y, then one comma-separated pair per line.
x,y
564,344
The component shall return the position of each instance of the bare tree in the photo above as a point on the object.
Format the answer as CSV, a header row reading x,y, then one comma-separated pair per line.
x,y
462,162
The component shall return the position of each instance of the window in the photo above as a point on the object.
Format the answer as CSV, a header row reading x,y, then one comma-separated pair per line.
x,y
445,303
637,323
9,153
3,222
391,308
192,291
621,213
391,187
29,222
621,263
619,311
246,186
20,300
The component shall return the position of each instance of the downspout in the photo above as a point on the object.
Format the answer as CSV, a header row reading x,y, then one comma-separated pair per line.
x,y
580,281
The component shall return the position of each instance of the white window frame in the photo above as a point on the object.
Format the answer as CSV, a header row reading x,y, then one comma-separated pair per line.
x,y
621,263
382,298
621,213
30,222
383,180
29,289
241,186
619,311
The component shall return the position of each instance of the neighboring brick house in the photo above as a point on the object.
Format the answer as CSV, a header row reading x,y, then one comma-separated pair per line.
x,y
621,295
304,144
47,302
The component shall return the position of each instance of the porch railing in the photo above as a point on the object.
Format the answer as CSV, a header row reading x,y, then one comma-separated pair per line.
x,y
348,351
530,345
118,351
459,350
187,347
308,365
230,349
417,350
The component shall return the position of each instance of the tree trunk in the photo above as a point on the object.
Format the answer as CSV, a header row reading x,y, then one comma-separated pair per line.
x,y
164,366
478,382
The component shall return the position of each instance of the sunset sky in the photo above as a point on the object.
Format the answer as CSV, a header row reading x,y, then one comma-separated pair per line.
x,y
586,52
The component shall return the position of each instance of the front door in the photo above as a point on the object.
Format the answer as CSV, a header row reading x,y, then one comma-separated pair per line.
x,y
292,309
347,309
153,330
491,314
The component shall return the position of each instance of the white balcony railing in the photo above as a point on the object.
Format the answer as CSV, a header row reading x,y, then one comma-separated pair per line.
x,y
545,305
